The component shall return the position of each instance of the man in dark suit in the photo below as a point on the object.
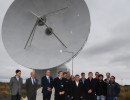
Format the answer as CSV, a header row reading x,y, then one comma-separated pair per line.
x,y
16,83
47,84
77,89
96,79
89,87
68,85
59,85
82,79
31,87
65,75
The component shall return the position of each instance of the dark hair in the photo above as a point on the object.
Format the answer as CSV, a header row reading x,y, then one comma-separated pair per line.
x,y
113,77
59,72
90,73
17,71
82,73
97,72
100,75
76,75
64,73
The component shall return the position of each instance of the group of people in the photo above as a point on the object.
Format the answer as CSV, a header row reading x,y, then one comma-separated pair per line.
x,y
67,87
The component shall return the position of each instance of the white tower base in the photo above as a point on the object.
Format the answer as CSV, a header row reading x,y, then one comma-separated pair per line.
x,y
54,73
40,96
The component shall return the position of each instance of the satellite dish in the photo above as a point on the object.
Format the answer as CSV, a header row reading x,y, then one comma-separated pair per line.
x,y
34,31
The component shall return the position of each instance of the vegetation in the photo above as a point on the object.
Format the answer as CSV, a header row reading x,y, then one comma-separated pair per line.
x,y
125,93
5,91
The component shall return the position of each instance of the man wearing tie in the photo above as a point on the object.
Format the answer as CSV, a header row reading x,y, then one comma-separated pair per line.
x,y
31,86
47,84
16,83
83,80
77,89
59,85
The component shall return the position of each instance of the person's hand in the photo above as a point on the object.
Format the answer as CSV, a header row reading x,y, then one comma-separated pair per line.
x,y
68,96
81,97
59,93
63,92
49,89
90,91
116,98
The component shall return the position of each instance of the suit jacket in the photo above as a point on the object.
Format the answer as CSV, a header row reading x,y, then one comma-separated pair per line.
x,y
68,86
107,80
45,84
89,85
101,88
59,85
96,81
15,85
83,86
82,80
77,91
30,87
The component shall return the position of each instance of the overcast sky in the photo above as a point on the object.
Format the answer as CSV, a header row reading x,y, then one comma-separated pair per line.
x,y
108,46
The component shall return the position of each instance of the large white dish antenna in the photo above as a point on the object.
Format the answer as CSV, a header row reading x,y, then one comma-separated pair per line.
x,y
34,31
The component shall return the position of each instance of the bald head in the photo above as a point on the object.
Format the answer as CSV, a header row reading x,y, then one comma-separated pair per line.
x,y
32,74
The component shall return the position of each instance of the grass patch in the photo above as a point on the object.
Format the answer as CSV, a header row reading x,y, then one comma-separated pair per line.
x,y
5,91
125,93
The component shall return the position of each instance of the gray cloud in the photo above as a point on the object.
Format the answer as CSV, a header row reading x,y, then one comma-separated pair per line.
x,y
123,57
108,47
